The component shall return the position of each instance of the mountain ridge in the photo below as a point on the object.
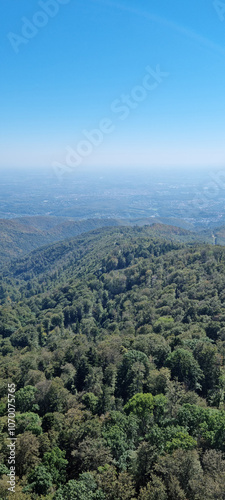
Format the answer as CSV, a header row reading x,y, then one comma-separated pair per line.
x,y
20,236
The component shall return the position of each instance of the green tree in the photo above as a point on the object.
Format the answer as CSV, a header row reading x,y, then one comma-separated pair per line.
x,y
132,374
40,481
147,408
155,490
115,486
177,471
28,421
83,489
55,463
184,366
25,399
27,452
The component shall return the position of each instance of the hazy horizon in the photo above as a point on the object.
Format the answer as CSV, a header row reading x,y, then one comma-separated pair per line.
x,y
106,84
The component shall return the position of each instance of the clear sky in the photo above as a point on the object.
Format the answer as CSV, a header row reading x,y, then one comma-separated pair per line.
x,y
69,66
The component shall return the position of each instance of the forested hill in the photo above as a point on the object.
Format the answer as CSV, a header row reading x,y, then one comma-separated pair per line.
x,y
88,248
20,236
115,341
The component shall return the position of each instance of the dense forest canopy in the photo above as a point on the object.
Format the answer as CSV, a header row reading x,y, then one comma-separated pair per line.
x,y
115,341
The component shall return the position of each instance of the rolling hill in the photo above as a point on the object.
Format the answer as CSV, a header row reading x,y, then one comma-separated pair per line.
x,y
114,344
20,236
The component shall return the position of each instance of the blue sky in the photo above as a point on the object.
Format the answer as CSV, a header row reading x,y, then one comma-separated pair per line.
x,y
67,72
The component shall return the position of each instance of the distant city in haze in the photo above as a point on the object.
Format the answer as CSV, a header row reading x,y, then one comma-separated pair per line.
x,y
188,198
